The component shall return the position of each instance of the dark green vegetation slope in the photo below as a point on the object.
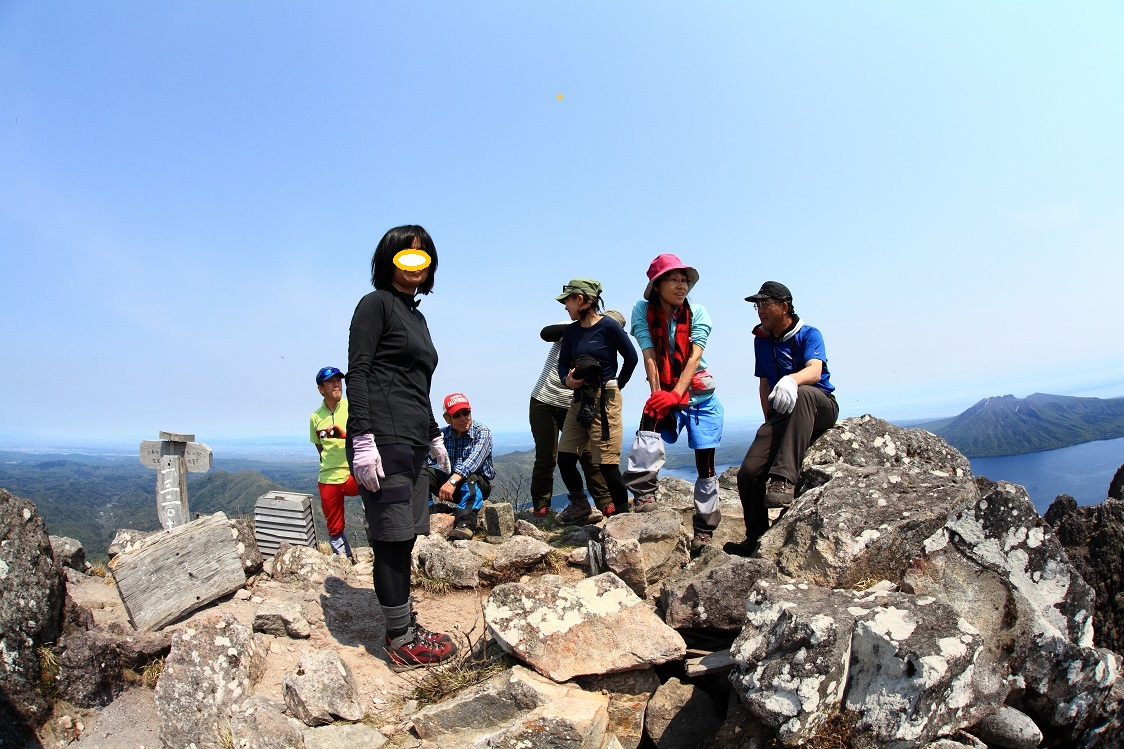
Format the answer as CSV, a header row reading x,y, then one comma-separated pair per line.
x,y
1008,425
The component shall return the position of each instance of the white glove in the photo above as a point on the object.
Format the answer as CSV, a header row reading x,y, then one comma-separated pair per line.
x,y
784,395
440,455
366,463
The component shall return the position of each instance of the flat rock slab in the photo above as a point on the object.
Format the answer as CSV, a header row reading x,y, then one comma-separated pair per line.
x,y
592,626
176,572
321,687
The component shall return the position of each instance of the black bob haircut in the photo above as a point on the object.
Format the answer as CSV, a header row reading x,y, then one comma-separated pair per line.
x,y
394,241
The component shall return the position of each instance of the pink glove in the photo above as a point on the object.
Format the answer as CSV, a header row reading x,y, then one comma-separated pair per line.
x,y
366,463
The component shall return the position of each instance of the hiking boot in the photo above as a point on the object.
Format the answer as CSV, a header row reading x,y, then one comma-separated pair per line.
x,y
461,533
611,509
779,493
541,512
424,634
701,540
411,650
646,503
576,514
741,548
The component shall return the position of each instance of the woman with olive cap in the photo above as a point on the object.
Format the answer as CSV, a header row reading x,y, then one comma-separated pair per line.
x,y
587,363
672,333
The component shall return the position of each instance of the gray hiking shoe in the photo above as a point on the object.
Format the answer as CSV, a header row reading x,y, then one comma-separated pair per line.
x,y
779,493
576,513
645,503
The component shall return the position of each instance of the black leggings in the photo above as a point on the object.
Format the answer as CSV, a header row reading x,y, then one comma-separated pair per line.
x,y
392,571
572,478
704,462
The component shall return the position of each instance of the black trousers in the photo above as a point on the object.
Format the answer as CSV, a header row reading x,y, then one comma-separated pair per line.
x,y
546,424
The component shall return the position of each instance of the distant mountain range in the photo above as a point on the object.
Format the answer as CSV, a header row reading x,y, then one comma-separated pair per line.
x,y
1006,425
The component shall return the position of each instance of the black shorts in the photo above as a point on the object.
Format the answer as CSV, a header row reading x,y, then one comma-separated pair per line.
x,y
399,510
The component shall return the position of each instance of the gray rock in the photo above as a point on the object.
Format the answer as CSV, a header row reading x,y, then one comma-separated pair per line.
x,y
343,736
516,708
307,565
248,551
499,521
681,716
629,692
89,673
578,558
644,548
1009,729
127,539
137,649
69,552
675,494
31,602
440,560
740,730
211,669
322,686
906,664
593,626
281,619
523,528
520,553
259,723
711,590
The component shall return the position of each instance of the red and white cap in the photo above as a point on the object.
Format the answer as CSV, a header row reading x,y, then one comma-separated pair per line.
x,y
455,403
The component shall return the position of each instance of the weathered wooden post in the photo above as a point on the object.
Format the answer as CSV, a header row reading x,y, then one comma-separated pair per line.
x,y
173,455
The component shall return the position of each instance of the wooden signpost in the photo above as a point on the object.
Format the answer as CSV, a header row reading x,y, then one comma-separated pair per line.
x,y
173,455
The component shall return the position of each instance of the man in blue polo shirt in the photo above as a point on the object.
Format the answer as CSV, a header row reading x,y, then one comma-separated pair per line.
x,y
796,397
466,482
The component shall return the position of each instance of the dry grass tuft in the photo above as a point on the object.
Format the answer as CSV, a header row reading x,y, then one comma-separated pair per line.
x,y
324,548
835,732
153,670
468,667
99,570
865,583
435,586
48,671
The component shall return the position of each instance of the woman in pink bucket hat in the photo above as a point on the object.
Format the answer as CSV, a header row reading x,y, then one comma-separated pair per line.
x,y
672,332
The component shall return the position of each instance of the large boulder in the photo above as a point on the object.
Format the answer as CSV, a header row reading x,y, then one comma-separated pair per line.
x,y
644,548
69,552
680,716
1093,539
210,672
31,600
89,673
870,495
516,708
592,626
906,665
711,591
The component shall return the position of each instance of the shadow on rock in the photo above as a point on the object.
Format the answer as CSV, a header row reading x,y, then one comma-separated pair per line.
x,y
353,615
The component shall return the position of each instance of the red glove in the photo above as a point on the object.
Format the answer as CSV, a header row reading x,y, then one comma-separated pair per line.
x,y
662,401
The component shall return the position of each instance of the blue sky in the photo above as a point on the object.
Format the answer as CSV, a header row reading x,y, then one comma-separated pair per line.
x,y
192,192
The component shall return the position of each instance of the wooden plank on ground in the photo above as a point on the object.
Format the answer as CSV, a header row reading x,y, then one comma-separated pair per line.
x,y
174,573
718,662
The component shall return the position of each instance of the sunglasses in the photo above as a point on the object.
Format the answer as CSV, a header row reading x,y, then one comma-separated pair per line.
x,y
466,412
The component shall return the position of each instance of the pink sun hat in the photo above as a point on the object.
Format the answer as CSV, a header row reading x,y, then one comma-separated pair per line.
x,y
668,262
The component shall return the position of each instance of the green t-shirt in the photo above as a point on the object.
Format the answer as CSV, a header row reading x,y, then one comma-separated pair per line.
x,y
333,460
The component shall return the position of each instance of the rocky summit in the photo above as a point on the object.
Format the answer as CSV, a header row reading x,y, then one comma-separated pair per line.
x,y
900,602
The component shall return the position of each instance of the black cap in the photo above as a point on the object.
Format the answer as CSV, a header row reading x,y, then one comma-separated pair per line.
x,y
771,290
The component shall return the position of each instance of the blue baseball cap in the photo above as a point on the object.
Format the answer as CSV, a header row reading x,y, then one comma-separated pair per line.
x,y
326,373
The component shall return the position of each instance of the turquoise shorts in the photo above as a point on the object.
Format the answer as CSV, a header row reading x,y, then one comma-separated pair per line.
x,y
703,423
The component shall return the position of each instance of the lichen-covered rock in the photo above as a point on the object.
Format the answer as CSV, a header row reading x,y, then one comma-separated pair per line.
x,y
644,548
440,560
281,619
322,686
343,736
523,528
680,716
31,600
307,565
211,669
1009,729
248,551
499,521
516,708
127,539
592,626
69,552
711,590
259,723
905,664
89,673
1093,538
520,553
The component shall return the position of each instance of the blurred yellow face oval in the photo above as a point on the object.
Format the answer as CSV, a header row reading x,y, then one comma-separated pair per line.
x,y
412,260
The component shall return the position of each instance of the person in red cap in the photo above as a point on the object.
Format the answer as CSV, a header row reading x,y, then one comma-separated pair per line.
x,y
466,480
327,432
672,333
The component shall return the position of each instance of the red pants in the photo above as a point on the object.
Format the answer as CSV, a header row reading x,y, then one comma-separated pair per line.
x,y
331,502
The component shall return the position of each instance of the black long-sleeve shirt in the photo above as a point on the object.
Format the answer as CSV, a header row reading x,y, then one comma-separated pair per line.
x,y
603,341
390,364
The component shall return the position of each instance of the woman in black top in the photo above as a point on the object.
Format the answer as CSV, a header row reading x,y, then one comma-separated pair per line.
x,y
391,429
